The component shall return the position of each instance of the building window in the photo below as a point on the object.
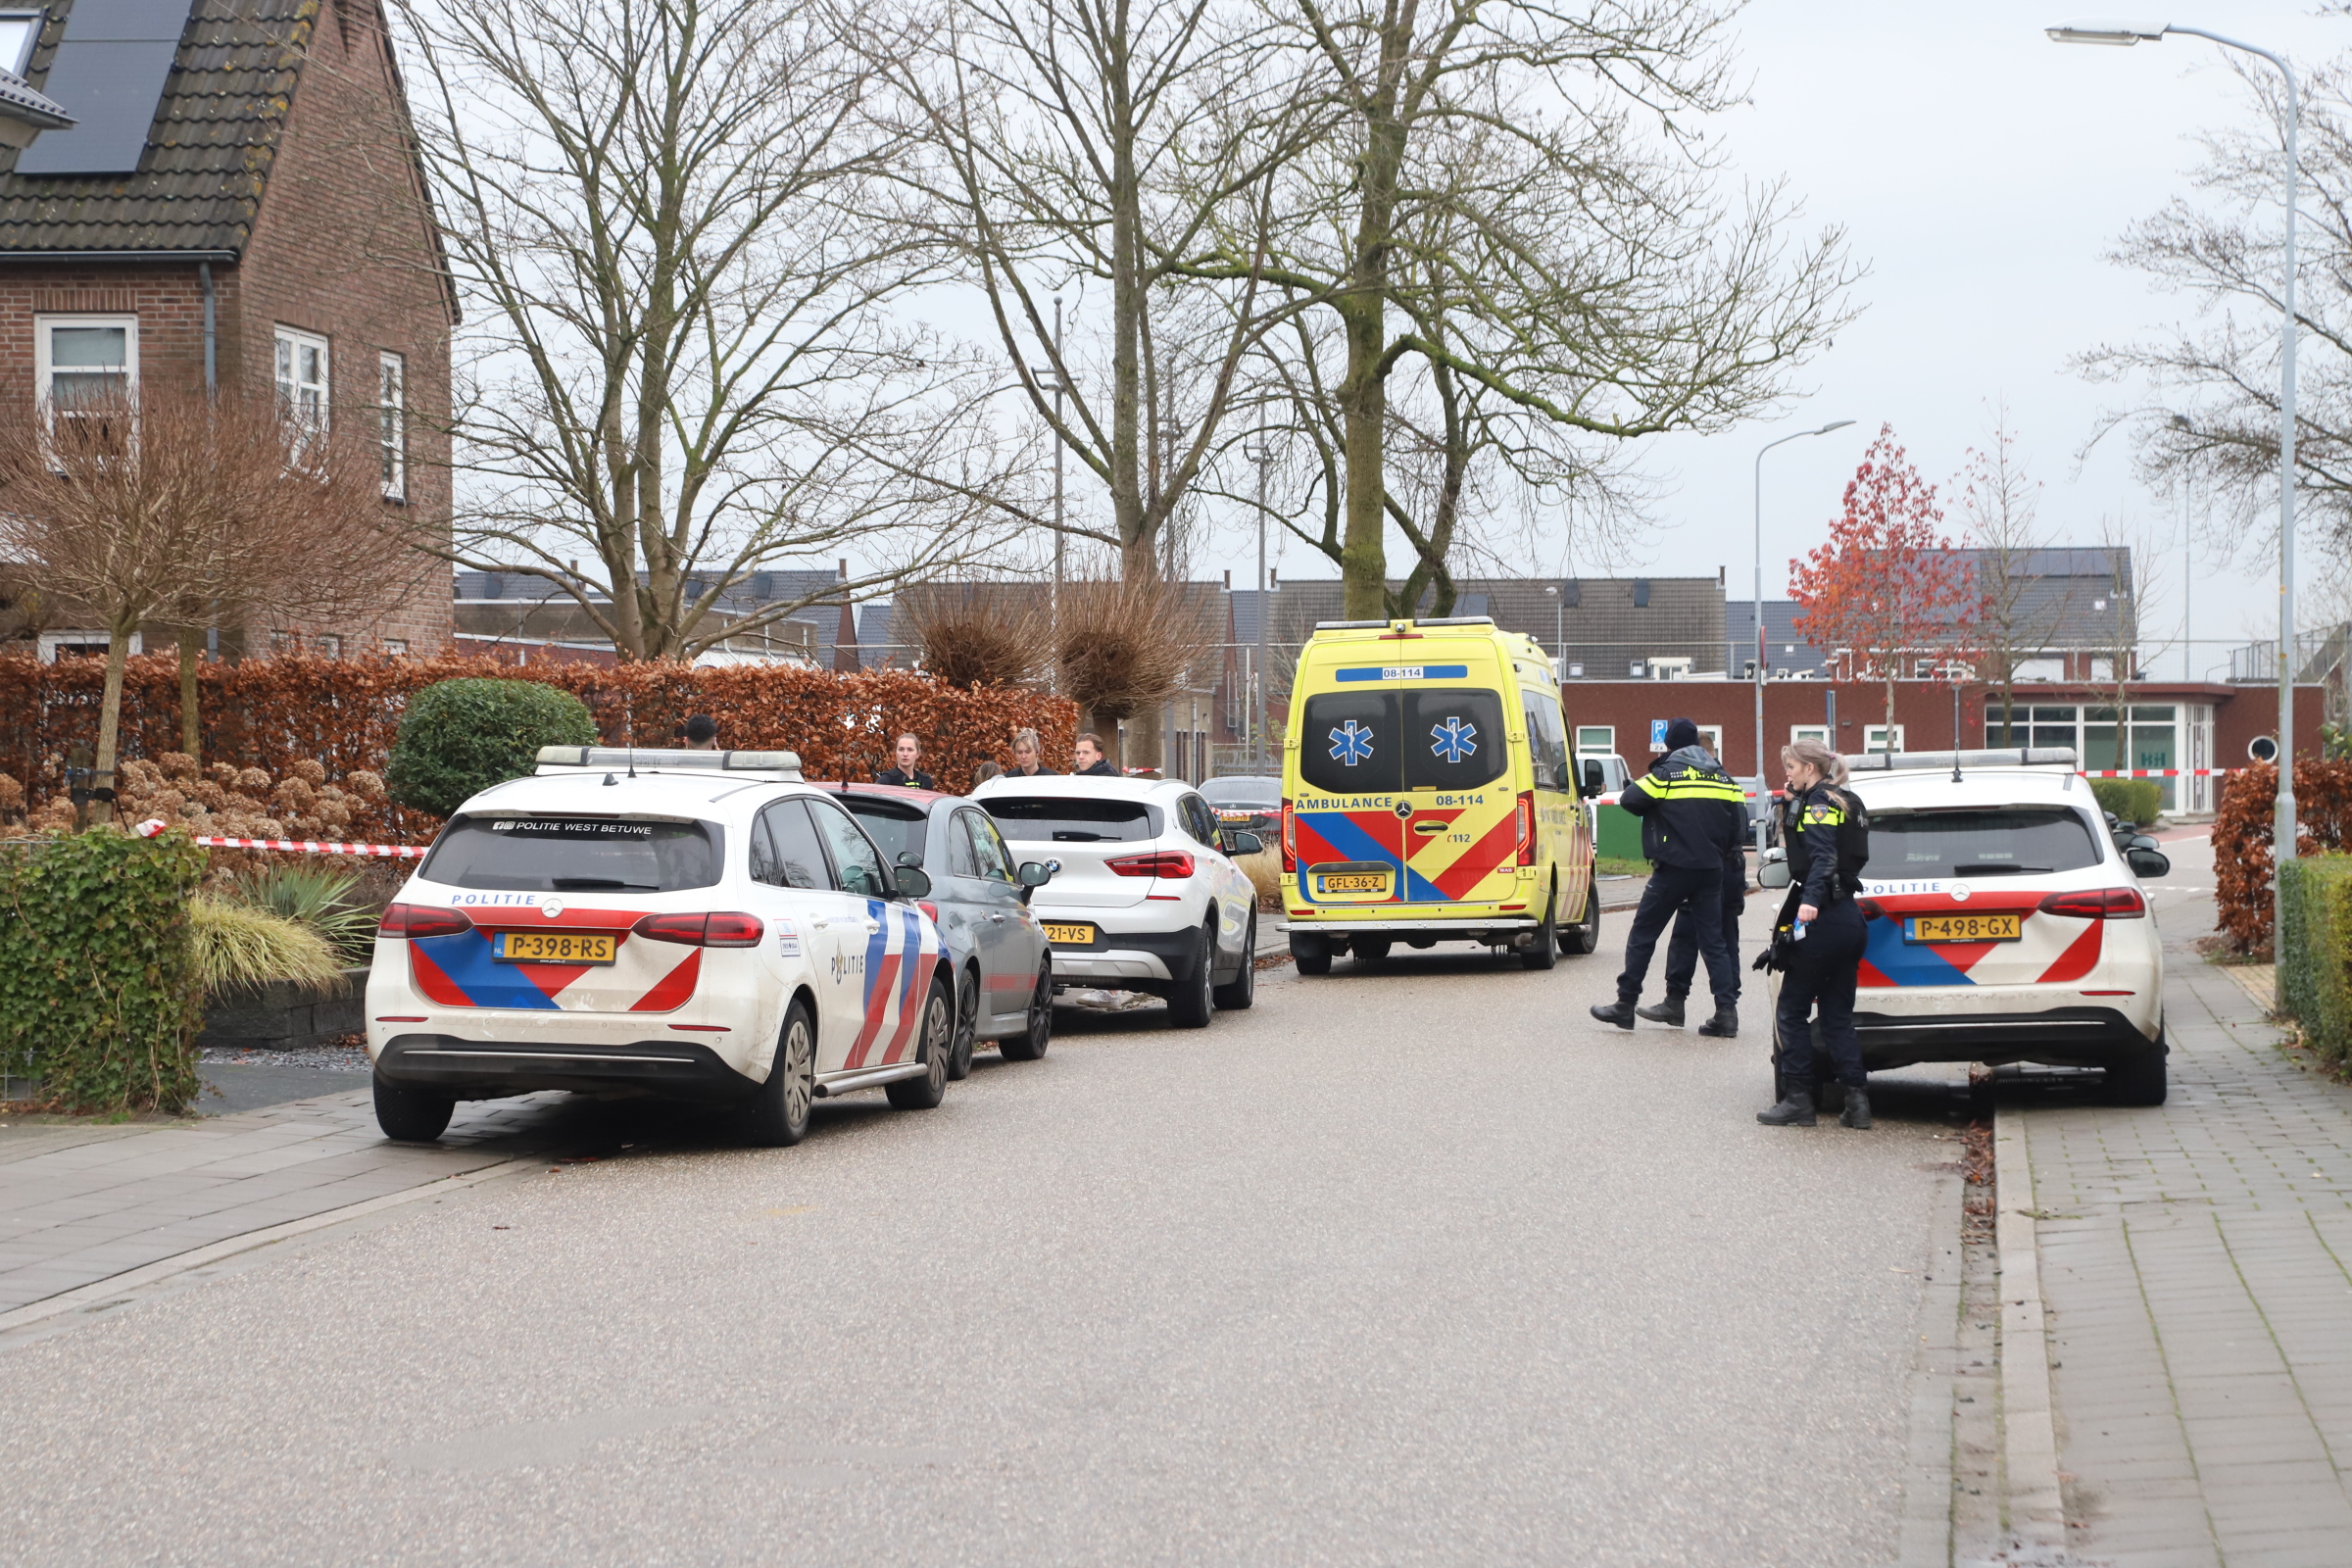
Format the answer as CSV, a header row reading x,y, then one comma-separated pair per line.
x,y
1873,738
19,31
396,646
302,383
56,645
328,644
83,362
284,642
392,411
1597,740
1809,732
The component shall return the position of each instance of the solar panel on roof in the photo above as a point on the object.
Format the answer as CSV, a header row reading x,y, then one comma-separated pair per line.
x,y
109,76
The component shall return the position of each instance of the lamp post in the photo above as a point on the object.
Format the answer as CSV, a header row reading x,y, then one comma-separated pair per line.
x,y
1758,603
1559,637
2124,34
1261,454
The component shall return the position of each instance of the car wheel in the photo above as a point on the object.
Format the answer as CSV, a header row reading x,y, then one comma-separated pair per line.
x,y
938,1036
2137,1082
777,1115
1370,949
1241,989
1192,1001
1030,1043
412,1115
1311,954
1544,953
1583,936
968,1027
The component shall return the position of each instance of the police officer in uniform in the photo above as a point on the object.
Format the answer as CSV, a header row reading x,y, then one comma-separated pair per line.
x,y
1694,817
1825,855
1681,949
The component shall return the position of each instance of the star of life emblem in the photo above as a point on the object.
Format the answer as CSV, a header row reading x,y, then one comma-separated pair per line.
x,y
1350,744
1453,740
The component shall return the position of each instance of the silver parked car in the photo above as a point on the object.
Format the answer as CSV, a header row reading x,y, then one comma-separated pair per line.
x,y
979,900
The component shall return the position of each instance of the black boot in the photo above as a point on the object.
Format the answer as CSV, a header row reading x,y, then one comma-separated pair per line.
x,y
1619,1012
1668,1011
1857,1109
1724,1024
1795,1111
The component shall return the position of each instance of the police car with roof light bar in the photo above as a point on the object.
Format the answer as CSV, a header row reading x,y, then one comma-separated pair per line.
x,y
2005,922
697,925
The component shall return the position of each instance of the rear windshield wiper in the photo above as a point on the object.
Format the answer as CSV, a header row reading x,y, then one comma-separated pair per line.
x,y
602,884
1994,868
1074,836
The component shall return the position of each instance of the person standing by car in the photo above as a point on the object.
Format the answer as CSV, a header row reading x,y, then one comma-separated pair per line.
x,y
1694,817
1028,757
909,769
1681,949
1090,757
1827,937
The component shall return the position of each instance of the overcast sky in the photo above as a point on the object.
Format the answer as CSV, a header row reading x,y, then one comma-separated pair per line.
x,y
1982,172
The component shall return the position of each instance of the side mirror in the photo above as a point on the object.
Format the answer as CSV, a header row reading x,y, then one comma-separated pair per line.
x,y
1237,842
1589,780
2148,863
909,858
913,881
1037,873
1773,870
2140,840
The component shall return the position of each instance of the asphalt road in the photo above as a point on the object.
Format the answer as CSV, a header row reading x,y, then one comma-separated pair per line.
x,y
1414,1264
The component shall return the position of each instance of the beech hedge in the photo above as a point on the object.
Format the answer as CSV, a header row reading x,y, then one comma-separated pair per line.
x,y
2241,838
99,998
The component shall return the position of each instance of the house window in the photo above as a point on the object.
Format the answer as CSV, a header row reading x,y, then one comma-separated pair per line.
x,y
56,645
1711,737
1809,732
284,642
1599,740
396,646
83,362
18,31
392,411
328,644
302,384
1873,738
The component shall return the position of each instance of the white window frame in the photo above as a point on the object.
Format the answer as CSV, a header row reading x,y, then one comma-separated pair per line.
x,y
1711,737
53,641
43,368
1809,732
1872,738
1607,748
16,65
288,342
396,647
392,415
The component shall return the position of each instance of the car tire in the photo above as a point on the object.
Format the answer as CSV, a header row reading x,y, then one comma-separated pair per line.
x,y
1544,953
937,1035
968,1026
1241,989
412,1115
1584,936
1370,949
2139,1080
776,1117
1037,1031
1192,1001
1310,953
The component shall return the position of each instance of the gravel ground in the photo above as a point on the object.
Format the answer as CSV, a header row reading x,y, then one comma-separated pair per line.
x,y
1406,1265
326,1058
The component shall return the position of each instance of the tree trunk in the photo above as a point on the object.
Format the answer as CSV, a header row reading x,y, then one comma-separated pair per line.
x,y
110,722
1889,738
191,730
1363,393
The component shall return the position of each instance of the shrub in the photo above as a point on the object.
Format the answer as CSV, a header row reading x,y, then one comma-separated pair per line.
x,y
238,946
322,898
98,992
2138,800
2241,838
1264,870
463,736
2315,952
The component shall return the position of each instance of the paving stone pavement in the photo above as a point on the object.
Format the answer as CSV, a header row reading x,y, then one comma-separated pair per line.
x,y
80,1205
2194,1263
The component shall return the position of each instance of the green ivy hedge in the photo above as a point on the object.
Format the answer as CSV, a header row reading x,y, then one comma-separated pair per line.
x,y
460,737
2133,800
98,993
2314,954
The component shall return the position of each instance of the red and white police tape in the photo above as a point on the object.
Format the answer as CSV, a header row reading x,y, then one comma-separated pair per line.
x,y
403,851
2160,772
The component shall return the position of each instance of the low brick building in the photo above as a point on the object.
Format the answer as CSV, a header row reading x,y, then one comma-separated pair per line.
x,y
235,202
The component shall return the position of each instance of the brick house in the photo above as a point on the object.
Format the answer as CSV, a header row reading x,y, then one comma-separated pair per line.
x,y
233,202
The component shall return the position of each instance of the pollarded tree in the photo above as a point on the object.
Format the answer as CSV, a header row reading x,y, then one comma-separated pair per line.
x,y
1885,588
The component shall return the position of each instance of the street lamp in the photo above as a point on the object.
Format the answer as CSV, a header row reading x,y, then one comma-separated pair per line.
x,y
2124,34
1762,790
1261,454
1560,638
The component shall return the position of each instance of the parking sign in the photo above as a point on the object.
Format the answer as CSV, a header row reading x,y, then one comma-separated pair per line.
x,y
1657,734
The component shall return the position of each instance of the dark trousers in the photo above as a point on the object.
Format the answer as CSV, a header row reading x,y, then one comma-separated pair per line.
x,y
1821,975
1681,949
1672,889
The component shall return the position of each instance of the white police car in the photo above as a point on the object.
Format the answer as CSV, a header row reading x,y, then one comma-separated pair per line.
x,y
2005,923
699,926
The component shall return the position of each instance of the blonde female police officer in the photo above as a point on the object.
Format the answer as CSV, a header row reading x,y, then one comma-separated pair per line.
x,y
1821,964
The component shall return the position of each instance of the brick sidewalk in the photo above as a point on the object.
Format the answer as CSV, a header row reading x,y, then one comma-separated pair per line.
x,y
2194,1263
80,1204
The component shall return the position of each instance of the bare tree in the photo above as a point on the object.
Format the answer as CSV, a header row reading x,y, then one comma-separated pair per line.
x,y
688,367
2131,592
137,510
2015,619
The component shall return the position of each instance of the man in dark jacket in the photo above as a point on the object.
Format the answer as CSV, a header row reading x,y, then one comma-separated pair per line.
x,y
911,766
1693,819
1090,757
1681,949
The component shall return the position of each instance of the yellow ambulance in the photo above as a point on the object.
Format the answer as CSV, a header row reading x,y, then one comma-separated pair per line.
x,y
1427,796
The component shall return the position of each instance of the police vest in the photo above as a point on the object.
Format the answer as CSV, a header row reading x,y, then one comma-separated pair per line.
x,y
1828,806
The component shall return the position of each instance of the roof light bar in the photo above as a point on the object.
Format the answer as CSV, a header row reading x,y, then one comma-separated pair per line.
x,y
565,757
1922,761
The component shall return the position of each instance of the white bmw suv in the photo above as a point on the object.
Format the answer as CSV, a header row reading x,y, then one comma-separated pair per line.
x,y
1145,896
701,925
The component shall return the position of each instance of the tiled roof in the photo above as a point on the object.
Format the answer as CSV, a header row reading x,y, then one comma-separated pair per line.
x,y
208,150
19,101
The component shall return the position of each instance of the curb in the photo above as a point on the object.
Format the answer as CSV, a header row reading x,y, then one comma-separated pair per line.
x,y
2034,1507
1927,1518
106,1292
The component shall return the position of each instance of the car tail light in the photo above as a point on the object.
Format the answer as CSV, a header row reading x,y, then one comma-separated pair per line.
x,y
2097,903
1526,827
1172,865
722,930
412,920
1290,840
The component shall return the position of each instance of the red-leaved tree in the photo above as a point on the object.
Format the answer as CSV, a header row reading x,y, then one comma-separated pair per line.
x,y
1885,589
